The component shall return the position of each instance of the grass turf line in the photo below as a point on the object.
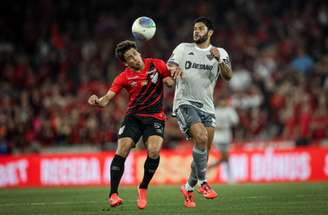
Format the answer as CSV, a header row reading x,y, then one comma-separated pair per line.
x,y
282,199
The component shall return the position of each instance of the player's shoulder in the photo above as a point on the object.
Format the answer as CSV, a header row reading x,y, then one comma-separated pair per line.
x,y
122,75
186,45
154,60
222,51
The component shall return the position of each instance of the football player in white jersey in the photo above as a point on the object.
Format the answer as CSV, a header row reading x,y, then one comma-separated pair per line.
x,y
201,64
226,119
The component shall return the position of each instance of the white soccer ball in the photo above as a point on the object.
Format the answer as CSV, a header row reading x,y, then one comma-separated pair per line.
x,y
143,28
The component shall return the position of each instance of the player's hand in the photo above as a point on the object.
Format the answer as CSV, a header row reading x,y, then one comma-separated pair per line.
x,y
168,81
216,54
93,100
175,71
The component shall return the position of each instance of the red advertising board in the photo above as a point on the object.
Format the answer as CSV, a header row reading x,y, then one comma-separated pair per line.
x,y
266,165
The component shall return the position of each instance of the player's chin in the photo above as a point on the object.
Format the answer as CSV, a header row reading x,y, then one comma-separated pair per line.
x,y
138,66
199,40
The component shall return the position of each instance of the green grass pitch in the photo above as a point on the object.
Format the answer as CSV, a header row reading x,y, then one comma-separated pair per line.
x,y
266,199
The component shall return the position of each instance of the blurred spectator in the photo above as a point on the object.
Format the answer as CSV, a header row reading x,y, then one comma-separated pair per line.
x,y
302,62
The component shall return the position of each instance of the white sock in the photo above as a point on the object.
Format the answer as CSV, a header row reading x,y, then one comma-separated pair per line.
x,y
188,187
200,182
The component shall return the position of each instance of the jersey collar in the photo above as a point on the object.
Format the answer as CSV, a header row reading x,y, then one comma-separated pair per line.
x,y
206,49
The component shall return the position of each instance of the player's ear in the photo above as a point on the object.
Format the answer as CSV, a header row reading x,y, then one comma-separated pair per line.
x,y
210,33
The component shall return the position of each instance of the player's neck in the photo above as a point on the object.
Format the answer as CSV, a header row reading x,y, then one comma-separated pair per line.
x,y
137,69
203,45
134,69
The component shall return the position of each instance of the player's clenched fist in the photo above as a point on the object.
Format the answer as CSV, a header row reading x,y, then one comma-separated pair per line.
x,y
93,100
216,54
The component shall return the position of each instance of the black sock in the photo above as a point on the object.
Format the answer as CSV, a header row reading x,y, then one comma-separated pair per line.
x,y
116,172
149,170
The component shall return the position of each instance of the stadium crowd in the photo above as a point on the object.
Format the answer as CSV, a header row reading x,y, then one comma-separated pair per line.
x,y
55,54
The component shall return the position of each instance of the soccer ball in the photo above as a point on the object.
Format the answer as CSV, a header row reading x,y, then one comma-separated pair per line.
x,y
143,28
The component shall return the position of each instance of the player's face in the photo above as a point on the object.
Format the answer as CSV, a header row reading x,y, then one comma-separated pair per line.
x,y
133,59
201,33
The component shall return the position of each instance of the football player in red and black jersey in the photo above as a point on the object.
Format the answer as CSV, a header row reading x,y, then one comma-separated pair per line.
x,y
143,79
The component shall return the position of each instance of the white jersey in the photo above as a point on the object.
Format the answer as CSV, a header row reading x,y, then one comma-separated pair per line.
x,y
226,117
200,73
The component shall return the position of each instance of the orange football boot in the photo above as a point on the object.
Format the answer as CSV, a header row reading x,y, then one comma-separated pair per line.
x,y
114,200
207,191
142,198
189,197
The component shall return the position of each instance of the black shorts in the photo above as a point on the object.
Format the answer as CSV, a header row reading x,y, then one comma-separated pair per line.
x,y
136,126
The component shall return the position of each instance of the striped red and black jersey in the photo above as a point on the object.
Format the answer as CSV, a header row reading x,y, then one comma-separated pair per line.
x,y
145,88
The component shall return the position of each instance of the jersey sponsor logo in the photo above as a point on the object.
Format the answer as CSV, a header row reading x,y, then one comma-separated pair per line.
x,y
191,53
189,65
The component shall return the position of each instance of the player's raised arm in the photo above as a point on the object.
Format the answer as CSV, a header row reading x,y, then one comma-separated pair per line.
x,y
102,101
224,64
168,81
175,70
166,73
116,87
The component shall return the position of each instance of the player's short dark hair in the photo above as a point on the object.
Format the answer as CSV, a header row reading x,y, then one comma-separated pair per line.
x,y
122,47
206,21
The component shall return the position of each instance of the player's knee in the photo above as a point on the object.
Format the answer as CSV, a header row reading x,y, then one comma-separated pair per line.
x,y
154,144
201,140
153,152
123,149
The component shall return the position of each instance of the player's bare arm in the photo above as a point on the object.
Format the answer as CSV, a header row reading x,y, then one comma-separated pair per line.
x,y
168,81
226,72
102,101
175,70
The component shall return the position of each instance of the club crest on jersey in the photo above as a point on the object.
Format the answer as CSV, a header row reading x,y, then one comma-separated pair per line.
x,y
210,56
133,84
